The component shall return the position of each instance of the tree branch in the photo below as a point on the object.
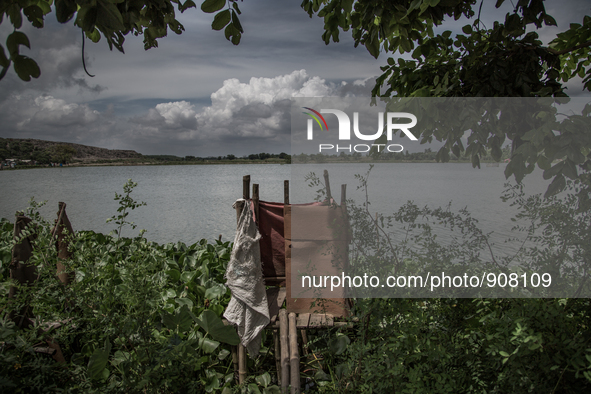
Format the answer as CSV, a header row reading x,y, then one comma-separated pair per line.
x,y
564,51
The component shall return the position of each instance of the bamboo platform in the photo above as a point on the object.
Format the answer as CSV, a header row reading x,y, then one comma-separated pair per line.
x,y
295,316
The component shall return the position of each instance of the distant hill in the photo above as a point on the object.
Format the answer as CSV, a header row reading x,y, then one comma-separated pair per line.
x,y
28,151
24,148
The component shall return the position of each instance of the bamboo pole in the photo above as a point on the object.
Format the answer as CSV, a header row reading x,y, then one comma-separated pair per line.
x,y
305,341
235,362
327,184
277,356
284,351
241,364
294,359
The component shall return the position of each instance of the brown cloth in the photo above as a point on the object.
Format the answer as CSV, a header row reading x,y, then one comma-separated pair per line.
x,y
317,245
271,226
320,234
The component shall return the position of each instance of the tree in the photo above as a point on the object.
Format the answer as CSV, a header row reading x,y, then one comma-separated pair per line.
x,y
62,153
111,19
4,154
505,60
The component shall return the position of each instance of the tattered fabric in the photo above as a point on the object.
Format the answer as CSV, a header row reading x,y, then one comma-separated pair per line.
x,y
248,309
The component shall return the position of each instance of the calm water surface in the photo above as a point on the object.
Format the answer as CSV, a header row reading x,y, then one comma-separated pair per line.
x,y
187,203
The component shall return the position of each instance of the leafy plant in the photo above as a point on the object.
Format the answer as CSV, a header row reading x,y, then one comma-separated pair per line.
x,y
138,317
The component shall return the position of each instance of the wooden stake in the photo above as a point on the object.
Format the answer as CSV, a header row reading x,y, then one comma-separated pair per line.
x,y
327,184
255,200
344,194
246,187
286,192
284,351
294,359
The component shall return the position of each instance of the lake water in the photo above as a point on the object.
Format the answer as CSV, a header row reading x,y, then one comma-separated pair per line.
x,y
187,203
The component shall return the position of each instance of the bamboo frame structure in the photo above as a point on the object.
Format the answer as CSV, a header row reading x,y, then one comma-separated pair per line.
x,y
285,330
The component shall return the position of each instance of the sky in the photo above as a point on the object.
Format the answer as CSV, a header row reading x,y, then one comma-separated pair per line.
x,y
197,94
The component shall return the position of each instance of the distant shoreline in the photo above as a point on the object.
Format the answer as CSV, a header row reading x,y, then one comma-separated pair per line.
x,y
245,162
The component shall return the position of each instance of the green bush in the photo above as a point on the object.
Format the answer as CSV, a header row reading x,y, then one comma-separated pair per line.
x,y
139,317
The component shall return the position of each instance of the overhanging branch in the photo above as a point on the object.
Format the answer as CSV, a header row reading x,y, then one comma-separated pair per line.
x,y
564,51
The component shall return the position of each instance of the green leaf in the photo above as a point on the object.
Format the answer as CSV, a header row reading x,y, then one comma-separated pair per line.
x,y
4,62
557,185
504,354
253,388
181,320
556,169
214,326
236,22
223,354
86,18
373,46
95,36
65,10
26,68
98,361
208,345
549,21
14,12
467,29
187,276
264,379
210,6
14,40
569,169
108,15
338,344
120,357
174,275
221,20
215,292
188,4
544,163
34,15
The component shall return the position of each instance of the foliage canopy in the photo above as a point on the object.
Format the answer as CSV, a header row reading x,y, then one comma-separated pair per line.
x,y
507,59
111,19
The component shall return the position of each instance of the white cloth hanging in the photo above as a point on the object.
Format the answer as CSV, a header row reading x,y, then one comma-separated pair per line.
x,y
248,308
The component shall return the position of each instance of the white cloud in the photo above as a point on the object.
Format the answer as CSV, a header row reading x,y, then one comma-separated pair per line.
x,y
242,118
28,113
178,113
259,108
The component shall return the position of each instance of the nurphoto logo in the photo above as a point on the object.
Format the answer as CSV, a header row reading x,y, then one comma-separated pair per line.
x,y
392,124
